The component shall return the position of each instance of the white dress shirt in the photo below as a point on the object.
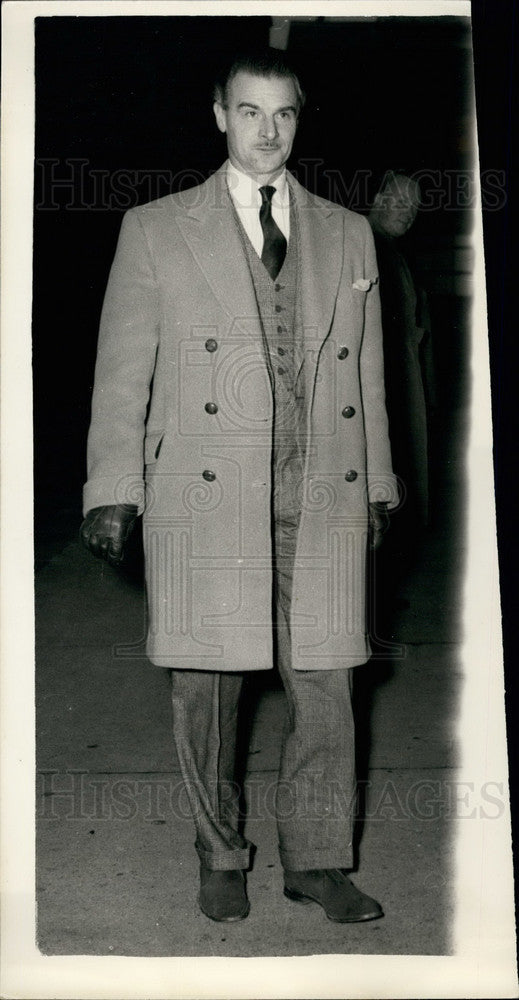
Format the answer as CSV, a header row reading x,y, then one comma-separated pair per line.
x,y
246,197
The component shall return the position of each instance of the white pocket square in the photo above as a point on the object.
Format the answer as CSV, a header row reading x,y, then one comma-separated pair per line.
x,y
363,284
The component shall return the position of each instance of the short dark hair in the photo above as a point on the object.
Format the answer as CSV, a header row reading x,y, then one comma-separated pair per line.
x,y
261,62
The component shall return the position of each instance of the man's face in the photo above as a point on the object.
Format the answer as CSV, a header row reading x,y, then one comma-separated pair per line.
x,y
397,206
260,121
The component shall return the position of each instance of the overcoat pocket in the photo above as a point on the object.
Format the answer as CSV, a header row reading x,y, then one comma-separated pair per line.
x,y
152,445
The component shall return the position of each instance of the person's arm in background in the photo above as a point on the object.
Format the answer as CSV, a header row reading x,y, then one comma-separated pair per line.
x,y
423,321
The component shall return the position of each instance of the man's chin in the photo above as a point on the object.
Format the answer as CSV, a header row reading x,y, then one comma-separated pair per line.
x,y
269,163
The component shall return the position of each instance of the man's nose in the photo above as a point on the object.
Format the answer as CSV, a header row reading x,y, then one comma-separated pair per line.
x,y
269,128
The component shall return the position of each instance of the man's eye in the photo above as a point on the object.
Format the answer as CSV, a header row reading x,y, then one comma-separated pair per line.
x,y
250,114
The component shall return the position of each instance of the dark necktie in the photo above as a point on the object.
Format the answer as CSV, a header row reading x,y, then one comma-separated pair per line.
x,y
275,244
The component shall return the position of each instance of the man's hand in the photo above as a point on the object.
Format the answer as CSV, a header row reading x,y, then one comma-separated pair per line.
x,y
106,530
378,523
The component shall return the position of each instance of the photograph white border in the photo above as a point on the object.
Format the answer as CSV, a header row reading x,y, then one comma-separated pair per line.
x,y
484,961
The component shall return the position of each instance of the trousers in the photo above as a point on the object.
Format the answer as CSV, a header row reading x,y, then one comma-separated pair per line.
x,y
315,793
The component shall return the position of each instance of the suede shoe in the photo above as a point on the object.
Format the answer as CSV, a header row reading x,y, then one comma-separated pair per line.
x,y
223,895
332,889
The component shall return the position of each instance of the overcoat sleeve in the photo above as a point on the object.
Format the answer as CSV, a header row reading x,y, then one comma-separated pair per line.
x,y
381,481
126,353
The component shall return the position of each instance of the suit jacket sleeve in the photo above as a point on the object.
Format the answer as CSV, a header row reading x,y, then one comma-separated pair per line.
x,y
127,346
381,481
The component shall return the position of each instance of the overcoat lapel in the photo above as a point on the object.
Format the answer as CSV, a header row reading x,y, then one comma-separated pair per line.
x,y
322,253
210,231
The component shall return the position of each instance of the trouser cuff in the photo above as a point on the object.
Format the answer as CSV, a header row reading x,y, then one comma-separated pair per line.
x,y
298,861
225,860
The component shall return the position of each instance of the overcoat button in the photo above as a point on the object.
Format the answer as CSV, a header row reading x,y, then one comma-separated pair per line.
x,y
208,475
343,353
211,408
281,329
211,345
350,476
278,308
348,411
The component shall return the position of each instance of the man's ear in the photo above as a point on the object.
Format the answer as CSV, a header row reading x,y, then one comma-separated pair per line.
x,y
219,114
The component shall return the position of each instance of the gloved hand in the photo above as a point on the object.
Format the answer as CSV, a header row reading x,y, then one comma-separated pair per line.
x,y
106,530
378,523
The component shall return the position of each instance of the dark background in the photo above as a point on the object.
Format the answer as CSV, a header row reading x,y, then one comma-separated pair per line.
x,y
134,94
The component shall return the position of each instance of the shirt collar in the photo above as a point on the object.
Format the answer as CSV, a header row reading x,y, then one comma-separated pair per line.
x,y
245,190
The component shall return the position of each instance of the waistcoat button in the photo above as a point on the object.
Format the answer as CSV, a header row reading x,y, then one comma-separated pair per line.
x,y
343,353
208,475
350,476
348,411
211,408
211,345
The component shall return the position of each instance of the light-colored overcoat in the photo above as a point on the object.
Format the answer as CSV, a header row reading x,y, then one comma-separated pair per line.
x,y
180,330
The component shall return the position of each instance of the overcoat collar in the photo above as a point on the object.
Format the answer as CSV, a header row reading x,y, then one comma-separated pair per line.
x,y
209,229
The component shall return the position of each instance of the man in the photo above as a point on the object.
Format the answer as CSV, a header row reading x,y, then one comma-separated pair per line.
x,y
240,374
408,360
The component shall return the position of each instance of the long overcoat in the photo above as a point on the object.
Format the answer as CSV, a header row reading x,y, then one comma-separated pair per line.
x,y
182,425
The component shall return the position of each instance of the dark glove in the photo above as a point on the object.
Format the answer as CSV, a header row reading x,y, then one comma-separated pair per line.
x,y
378,523
106,530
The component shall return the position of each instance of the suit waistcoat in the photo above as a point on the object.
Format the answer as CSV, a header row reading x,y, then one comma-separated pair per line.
x,y
279,307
